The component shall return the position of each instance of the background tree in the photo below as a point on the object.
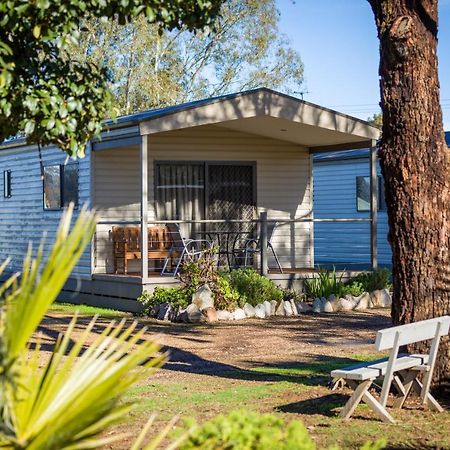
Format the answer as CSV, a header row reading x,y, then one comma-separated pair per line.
x,y
415,162
376,119
44,93
244,51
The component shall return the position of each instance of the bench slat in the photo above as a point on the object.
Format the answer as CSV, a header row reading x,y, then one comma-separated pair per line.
x,y
375,369
412,332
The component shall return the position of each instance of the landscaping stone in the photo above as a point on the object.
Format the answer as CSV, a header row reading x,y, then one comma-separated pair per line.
x,y
163,311
352,300
154,311
288,309
268,308
294,308
303,307
375,299
273,307
239,314
327,307
181,316
280,311
210,314
345,304
362,302
173,314
249,310
318,305
386,299
224,315
194,315
203,297
260,311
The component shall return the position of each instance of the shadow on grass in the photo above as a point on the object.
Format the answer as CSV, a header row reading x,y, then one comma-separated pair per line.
x,y
325,405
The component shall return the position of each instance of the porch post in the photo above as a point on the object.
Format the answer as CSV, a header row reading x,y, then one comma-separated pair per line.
x,y
263,242
144,206
373,205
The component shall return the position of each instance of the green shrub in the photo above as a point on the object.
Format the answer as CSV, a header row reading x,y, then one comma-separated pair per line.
x,y
193,275
375,280
325,284
243,430
290,294
177,297
352,287
254,288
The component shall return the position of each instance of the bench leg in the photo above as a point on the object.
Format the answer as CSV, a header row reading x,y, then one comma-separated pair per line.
x,y
403,387
361,393
377,407
355,399
430,401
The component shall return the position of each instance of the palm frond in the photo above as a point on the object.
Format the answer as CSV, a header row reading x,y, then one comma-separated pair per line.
x,y
69,401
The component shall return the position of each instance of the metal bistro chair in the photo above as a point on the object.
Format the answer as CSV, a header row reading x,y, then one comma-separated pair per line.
x,y
182,248
253,246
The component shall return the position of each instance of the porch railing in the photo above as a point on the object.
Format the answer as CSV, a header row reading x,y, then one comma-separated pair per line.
x,y
103,245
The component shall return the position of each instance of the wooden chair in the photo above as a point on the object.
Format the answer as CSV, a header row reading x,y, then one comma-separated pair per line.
x,y
127,245
399,370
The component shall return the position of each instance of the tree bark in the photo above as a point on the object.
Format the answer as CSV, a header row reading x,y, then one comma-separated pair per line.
x,y
415,163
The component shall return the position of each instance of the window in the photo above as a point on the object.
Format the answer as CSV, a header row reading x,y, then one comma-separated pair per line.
x,y
7,183
60,186
197,191
363,194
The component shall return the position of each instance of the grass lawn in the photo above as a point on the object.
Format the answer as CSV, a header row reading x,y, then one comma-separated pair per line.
x,y
85,310
278,366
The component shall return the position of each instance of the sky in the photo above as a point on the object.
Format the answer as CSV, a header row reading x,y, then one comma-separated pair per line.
x,y
338,44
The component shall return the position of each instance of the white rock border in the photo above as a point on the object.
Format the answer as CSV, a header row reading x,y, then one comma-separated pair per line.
x,y
192,314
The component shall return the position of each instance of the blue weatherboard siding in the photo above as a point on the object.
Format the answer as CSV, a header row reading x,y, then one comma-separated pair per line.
x,y
344,244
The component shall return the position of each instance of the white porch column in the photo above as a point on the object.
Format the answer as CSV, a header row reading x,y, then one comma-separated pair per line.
x,y
373,205
144,206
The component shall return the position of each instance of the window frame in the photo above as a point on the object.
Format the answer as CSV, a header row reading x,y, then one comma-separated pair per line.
x,y
380,193
7,190
62,202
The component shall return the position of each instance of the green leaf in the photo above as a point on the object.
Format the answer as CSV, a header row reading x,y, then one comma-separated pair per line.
x,y
37,31
29,127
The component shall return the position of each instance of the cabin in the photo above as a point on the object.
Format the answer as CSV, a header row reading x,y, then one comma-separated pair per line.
x,y
238,162
342,190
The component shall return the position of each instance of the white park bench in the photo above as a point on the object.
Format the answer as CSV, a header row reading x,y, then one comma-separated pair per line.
x,y
399,370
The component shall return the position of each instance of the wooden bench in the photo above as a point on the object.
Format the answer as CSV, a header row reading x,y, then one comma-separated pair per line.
x,y
127,245
399,370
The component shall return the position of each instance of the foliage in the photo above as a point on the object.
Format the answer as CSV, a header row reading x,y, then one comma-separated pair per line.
x,y
376,119
352,287
254,288
374,280
44,93
194,274
325,284
245,50
69,401
291,294
204,271
177,297
249,430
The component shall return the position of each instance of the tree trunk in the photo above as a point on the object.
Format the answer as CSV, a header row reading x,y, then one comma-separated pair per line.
x,y
415,163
